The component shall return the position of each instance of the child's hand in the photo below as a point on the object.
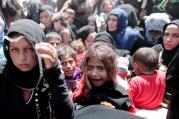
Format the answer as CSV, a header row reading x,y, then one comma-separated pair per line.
x,y
42,26
48,53
107,104
87,83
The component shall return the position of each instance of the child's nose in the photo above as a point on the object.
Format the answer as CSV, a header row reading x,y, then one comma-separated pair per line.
x,y
68,64
94,72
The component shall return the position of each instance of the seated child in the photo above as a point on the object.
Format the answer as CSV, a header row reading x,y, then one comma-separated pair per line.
x,y
98,84
67,57
147,88
54,39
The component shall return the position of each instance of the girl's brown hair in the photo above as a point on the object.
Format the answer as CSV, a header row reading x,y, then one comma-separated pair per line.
x,y
106,54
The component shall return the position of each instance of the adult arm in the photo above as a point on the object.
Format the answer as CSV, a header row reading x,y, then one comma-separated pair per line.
x,y
61,101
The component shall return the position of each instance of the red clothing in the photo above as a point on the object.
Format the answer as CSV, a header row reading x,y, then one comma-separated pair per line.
x,y
79,92
147,91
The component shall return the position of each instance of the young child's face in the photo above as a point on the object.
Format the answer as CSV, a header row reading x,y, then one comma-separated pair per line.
x,y
71,18
68,65
45,19
89,40
171,37
96,72
55,42
107,6
93,24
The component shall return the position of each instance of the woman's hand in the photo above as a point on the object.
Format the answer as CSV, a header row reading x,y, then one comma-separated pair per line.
x,y
48,53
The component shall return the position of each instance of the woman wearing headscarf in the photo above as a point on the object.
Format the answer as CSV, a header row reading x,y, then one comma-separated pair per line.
x,y
154,30
32,85
124,37
154,27
171,57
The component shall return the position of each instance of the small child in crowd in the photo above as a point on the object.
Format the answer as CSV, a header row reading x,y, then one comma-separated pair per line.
x,y
60,24
92,21
107,6
147,88
67,57
71,16
98,84
87,34
54,39
46,13
79,47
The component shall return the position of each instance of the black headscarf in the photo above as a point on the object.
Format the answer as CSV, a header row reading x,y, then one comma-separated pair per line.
x,y
34,34
83,32
104,37
167,55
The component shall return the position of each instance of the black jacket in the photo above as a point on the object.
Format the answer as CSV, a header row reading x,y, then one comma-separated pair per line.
x,y
172,86
172,79
110,92
49,95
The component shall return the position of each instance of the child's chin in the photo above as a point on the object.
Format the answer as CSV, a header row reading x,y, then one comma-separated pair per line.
x,y
97,84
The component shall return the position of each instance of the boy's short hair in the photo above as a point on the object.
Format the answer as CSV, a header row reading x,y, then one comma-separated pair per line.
x,y
148,57
66,51
53,35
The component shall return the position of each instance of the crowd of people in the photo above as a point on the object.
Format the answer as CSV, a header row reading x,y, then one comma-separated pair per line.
x,y
79,59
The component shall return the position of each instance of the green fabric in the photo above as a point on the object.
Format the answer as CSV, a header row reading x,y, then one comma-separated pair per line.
x,y
72,26
163,3
174,1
